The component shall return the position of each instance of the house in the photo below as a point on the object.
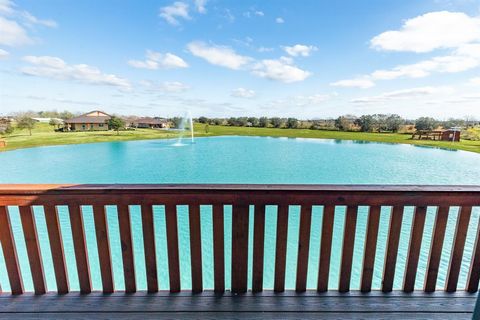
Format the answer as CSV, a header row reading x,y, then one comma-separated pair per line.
x,y
47,120
92,121
152,123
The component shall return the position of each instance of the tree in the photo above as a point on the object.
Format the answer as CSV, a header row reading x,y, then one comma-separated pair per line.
x,y
54,122
253,121
6,128
343,123
470,121
26,123
292,123
203,120
276,122
425,123
263,122
116,123
394,121
365,122
9,129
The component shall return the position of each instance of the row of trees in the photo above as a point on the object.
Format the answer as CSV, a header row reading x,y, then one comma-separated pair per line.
x,y
365,123
262,122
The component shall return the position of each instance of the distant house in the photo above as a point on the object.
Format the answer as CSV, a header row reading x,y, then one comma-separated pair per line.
x,y
92,121
152,123
47,120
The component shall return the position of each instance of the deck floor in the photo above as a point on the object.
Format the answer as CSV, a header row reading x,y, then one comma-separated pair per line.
x,y
266,305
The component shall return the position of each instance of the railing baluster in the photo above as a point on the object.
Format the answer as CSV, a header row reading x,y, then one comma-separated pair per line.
x,y
172,247
195,248
126,243
416,235
56,247
325,248
392,248
258,248
348,246
240,220
370,248
457,249
103,247
281,248
474,273
80,246
218,248
148,230
436,248
33,249
303,247
10,253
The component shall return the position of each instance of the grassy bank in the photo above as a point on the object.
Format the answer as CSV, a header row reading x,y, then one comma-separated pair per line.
x,y
44,135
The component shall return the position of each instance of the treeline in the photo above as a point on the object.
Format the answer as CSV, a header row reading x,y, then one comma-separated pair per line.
x,y
364,123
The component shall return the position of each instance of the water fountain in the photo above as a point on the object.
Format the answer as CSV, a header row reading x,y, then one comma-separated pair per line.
x,y
181,130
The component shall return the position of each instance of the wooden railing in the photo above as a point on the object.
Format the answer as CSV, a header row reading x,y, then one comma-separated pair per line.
x,y
241,198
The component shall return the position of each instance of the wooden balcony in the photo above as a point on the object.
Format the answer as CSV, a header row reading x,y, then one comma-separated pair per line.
x,y
243,295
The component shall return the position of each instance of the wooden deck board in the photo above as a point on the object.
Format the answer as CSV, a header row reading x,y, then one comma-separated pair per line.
x,y
243,315
268,305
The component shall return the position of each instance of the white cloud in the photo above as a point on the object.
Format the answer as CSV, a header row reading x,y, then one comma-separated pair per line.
x,y
3,54
177,10
157,60
310,100
243,93
13,34
218,55
253,12
265,49
279,20
433,30
464,58
404,94
7,7
167,86
200,5
475,81
174,86
227,14
299,101
56,68
281,69
362,83
299,50
34,20
13,22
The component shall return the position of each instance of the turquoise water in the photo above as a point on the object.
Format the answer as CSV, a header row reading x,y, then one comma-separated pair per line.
x,y
238,160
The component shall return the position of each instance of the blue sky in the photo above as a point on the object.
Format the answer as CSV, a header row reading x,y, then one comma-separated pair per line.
x,y
308,59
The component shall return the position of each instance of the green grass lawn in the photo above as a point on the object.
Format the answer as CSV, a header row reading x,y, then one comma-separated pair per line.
x,y
44,135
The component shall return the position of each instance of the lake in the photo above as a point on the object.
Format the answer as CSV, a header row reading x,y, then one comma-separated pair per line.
x,y
239,160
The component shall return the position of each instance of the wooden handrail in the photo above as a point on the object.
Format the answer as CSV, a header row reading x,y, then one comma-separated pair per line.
x,y
244,201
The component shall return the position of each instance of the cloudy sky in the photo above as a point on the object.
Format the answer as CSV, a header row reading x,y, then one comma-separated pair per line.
x,y
308,59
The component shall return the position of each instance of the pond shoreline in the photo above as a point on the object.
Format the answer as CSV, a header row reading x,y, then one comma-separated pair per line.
x,y
44,136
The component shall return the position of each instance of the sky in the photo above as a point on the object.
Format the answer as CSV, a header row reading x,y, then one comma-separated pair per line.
x,y
305,59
